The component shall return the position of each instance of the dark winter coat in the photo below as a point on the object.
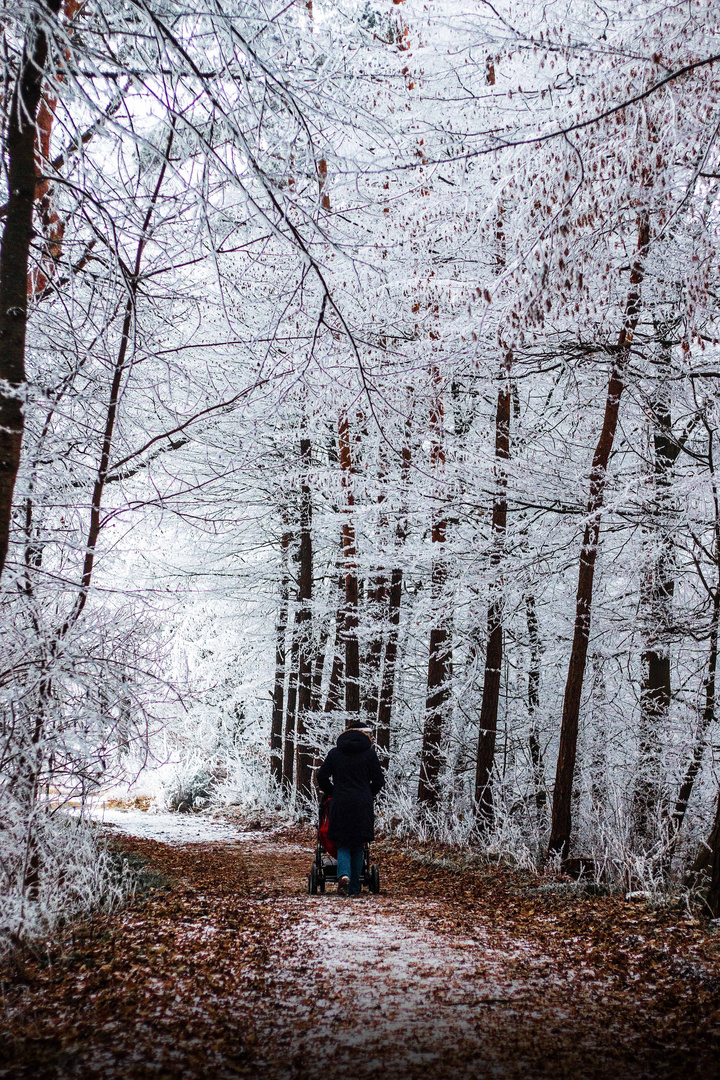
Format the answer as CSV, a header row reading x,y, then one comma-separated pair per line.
x,y
351,773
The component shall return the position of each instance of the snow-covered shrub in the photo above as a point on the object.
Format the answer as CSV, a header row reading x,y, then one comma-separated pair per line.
x,y
193,789
76,874
511,837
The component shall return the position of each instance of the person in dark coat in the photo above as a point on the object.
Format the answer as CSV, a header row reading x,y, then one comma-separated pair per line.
x,y
352,774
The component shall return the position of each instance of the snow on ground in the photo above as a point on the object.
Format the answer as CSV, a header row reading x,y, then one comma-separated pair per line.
x,y
167,827
178,829
372,977
375,986
382,981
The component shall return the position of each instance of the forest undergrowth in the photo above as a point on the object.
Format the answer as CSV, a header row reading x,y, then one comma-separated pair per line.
x,y
222,965
370,369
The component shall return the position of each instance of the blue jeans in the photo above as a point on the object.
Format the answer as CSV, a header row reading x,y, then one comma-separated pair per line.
x,y
349,864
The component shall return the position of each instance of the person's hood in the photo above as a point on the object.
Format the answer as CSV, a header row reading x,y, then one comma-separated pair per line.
x,y
353,742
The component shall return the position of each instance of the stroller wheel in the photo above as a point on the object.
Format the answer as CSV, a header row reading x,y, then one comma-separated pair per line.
x,y
313,881
374,878
322,884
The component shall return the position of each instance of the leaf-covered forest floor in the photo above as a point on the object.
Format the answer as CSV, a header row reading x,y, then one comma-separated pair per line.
x,y
223,966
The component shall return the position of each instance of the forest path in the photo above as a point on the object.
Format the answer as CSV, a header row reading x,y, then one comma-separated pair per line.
x,y
227,968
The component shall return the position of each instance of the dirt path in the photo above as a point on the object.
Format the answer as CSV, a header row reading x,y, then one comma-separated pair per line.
x,y
227,968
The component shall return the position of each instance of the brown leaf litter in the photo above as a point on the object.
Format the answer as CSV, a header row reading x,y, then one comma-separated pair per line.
x,y
224,967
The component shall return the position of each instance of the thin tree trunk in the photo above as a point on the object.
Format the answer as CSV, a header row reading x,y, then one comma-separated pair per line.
x,y
387,684
562,796
276,731
494,651
713,897
487,734
14,253
656,603
599,752
45,689
318,670
377,602
325,647
533,700
304,753
333,702
707,864
438,690
377,605
288,768
125,718
708,713
706,720
350,621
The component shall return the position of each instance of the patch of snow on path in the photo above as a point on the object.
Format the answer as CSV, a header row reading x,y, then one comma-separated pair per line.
x,y
384,988
170,828
372,984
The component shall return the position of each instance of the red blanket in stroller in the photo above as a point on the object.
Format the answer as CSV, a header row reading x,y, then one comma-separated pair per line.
x,y
325,842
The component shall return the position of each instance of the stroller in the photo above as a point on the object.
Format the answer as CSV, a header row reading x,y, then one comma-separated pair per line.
x,y
324,868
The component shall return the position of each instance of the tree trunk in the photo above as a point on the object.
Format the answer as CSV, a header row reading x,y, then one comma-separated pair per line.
x,y
533,700
708,715
350,620
333,702
713,897
494,651
318,670
15,251
45,688
706,721
304,626
707,863
438,690
377,606
562,796
377,612
656,604
599,752
704,858
387,684
276,731
435,702
288,771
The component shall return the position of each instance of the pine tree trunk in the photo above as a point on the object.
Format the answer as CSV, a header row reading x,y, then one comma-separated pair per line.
x,y
562,796
494,651
350,621
438,677
14,254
